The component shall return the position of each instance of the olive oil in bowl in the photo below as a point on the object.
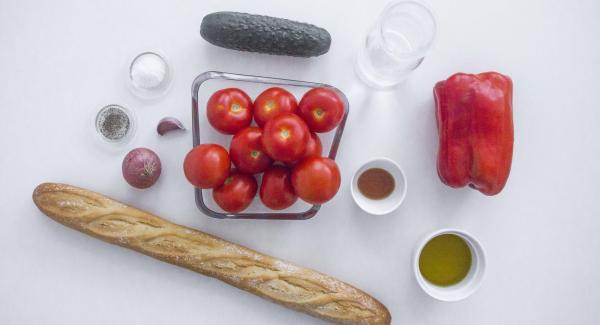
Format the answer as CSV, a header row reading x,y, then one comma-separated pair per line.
x,y
449,264
445,260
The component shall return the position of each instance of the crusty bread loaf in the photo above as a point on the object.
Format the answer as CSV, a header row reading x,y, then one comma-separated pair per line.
x,y
279,281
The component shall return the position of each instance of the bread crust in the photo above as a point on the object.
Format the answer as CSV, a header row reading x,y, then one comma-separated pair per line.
x,y
295,287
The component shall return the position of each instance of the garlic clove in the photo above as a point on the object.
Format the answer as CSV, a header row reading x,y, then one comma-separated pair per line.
x,y
168,124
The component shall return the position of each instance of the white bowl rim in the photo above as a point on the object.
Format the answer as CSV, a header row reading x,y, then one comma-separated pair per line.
x,y
354,191
473,243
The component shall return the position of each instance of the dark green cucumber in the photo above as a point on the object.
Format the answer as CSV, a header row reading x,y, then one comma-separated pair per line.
x,y
264,34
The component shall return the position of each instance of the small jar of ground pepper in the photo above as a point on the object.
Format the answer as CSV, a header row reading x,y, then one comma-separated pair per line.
x,y
114,124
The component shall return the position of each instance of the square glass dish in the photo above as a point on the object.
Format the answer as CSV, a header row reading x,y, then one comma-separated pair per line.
x,y
202,88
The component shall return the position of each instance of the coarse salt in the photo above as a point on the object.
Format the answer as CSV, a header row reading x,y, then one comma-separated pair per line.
x,y
148,71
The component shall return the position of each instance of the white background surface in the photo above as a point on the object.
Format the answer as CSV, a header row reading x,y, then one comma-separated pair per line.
x,y
60,61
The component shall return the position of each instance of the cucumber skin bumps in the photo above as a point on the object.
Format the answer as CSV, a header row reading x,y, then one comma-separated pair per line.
x,y
264,34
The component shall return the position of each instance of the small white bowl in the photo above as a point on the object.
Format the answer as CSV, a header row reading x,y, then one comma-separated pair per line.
x,y
388,204
469,284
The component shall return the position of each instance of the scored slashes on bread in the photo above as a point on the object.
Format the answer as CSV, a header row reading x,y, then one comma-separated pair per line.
x,y
299,288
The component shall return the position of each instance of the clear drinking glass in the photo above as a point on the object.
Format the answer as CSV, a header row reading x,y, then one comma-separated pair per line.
x,y
397,44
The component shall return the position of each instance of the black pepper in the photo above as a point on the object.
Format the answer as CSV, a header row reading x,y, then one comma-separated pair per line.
x,y
113,122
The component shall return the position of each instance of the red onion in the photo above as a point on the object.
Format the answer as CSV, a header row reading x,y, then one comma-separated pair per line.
x,y
141,168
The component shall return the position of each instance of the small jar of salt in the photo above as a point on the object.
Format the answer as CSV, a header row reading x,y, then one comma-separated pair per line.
x,y
149,75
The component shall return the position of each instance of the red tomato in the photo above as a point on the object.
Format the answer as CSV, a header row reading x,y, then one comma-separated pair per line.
x,y
276,191
247,153
236,193
322,109
285,137
273,102
316,179
207,165
313,148
229,110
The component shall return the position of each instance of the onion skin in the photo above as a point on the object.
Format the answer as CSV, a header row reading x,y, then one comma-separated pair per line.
x,y
141,168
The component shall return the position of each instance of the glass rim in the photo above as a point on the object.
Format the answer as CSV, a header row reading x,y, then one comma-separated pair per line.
x,y
421,50
134,60
150,94
130,132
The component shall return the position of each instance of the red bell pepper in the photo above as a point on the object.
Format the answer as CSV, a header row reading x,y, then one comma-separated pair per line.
x,y
475,126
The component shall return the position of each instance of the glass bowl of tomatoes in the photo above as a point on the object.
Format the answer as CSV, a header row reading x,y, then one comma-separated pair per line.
x,y
210,91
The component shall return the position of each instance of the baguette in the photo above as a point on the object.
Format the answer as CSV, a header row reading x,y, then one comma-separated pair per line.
x,y
281,282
